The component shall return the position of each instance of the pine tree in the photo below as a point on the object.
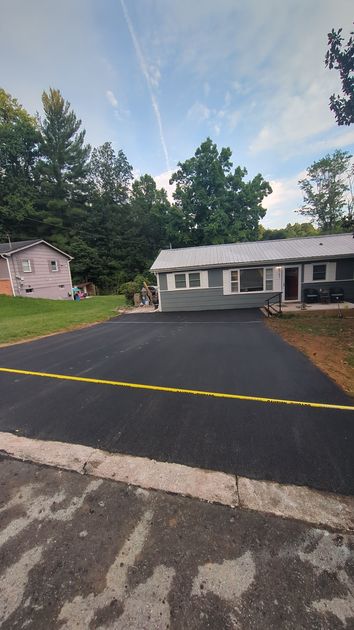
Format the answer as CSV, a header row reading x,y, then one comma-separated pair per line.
x,y
63,167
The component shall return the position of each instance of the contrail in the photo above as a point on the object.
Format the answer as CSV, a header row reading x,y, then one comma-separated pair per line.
x,y
145,72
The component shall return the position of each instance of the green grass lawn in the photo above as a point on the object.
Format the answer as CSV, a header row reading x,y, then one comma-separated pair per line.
x,y
23,318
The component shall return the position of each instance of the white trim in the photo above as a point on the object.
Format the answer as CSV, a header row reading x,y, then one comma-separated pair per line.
x,y
20,249
227,281
159,308
10,275
331,268
298,283
29,264
71,281
56,265
171,286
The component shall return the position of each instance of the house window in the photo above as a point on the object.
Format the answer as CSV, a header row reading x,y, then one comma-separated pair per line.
x,y
29,290
234,281
319,272
251,280
54,265
26,266
180,280
269,279
194,279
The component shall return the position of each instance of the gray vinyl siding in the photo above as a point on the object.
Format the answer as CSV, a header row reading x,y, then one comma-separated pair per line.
x,y
215,278
344,273
209,300
163,281
345,269
346,285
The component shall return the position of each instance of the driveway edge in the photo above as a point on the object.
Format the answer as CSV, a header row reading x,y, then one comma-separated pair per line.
x,y
287,501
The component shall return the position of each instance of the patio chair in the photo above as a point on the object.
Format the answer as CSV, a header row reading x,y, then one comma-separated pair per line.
x,y
311,296
324,296
336,294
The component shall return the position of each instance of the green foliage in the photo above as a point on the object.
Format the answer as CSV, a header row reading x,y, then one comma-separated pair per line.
x,y
342,58
128,289
325,189
19,137
294,230
214,203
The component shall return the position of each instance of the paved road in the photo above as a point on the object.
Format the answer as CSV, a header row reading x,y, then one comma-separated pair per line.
x,y
83,553
229,351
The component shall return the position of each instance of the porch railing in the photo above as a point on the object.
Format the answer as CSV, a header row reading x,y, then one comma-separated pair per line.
x,y
271,302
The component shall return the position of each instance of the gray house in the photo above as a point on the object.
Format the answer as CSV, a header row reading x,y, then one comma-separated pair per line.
x,y
35,269
245,275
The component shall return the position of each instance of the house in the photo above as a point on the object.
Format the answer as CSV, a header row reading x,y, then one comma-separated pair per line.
x,y
245,275
35,269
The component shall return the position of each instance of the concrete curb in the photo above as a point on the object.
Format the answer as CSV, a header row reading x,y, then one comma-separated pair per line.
x,y
288,501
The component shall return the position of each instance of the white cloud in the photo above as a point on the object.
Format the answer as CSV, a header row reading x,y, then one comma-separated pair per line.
x,y
285,199
199,112
111,99
163,181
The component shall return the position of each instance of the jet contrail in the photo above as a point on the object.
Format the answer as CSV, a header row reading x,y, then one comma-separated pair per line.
x,y
145,72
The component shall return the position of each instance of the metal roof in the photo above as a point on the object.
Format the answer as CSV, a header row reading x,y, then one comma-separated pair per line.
x,y
281,250
6,248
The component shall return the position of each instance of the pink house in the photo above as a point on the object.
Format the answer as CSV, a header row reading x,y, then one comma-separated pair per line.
x,y
35,269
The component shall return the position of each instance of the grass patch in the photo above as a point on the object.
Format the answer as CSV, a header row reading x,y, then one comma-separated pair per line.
x,y
324,337
23,318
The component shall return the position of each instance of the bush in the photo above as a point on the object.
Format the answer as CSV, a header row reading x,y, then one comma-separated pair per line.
x,y
133,286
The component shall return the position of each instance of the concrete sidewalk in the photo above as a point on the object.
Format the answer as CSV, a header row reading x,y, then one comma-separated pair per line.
x,y
77,552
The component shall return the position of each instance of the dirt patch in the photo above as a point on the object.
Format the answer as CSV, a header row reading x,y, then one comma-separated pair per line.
x,y
327,340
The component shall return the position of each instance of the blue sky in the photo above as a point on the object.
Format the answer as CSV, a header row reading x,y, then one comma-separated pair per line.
x,y
156,77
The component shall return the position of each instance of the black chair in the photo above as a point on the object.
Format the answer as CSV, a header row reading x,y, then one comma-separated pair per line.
x,y
324,296
336,294
311,296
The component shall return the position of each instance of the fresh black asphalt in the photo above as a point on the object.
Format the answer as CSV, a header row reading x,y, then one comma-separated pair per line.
x,y
225,351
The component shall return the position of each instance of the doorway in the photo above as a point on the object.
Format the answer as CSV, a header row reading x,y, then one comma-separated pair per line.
x,y
291,284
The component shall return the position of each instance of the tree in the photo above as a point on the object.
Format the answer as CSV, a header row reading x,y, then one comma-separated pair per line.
x,y
214,204
342,58
63,167
62,173
325,190
294,230
149,217
110,176
19,137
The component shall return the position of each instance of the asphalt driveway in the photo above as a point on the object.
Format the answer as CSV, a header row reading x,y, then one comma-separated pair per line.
x,y
225,351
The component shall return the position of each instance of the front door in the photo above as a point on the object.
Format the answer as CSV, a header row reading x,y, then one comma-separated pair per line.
x,y
291,283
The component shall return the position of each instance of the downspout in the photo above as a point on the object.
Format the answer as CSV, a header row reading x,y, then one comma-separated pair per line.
x,y
71,280
10,276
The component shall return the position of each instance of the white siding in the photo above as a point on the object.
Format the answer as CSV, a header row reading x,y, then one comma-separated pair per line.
x,y
330,271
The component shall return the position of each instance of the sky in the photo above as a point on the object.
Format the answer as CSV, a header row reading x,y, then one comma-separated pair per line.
x,y
156,77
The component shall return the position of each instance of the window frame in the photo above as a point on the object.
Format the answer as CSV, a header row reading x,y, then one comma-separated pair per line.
x,y
55,260
188,286
26,260
185,280
228,282
325,272
195,273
